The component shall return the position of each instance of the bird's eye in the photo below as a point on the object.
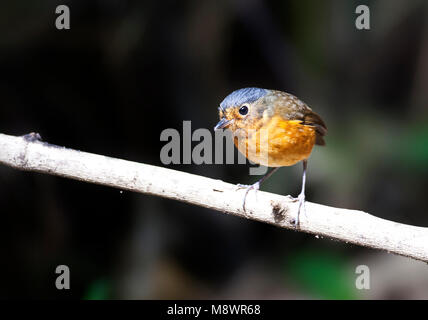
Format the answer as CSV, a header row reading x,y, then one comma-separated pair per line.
x,y
243,110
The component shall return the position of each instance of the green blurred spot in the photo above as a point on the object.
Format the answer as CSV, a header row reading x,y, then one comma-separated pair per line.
x,y
98,290
413,147
322,275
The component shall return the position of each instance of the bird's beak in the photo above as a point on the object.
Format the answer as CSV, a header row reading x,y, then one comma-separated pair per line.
x,y
223,123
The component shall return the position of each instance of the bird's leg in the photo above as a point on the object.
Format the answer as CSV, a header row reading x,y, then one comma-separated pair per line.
x,y
255,186
301,196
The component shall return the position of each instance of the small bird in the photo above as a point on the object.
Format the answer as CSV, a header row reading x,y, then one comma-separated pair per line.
x,y
289,126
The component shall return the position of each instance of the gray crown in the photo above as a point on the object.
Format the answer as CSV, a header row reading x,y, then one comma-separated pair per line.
x,y
245,95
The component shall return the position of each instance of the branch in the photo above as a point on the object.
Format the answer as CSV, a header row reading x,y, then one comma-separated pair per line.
x,y
361,228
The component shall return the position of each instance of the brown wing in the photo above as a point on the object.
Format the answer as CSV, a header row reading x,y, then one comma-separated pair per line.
x,y
313,119
292,108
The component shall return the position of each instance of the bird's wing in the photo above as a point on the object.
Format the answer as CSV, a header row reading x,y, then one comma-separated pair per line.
x,y
313,119
292,108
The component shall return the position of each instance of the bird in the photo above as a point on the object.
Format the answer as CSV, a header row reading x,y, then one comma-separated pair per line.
x,y
274,129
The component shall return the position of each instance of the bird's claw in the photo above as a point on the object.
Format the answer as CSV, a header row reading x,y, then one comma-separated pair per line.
x,y
242,186
294,199
32,137
255,187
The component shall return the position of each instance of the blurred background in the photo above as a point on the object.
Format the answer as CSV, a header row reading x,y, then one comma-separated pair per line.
x,y
126,70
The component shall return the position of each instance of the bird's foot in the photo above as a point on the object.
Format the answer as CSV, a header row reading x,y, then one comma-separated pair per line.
x,y
32,137
294,199
302,205
255,187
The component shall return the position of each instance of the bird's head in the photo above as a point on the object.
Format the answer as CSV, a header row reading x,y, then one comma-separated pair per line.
x,y
242,108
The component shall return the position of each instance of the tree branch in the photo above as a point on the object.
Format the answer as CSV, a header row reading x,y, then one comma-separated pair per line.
x,y
357,227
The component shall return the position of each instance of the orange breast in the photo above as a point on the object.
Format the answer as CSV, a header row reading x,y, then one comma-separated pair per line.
x,y
277,143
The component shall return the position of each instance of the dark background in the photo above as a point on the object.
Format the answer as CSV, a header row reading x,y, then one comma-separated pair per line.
x,y
126,70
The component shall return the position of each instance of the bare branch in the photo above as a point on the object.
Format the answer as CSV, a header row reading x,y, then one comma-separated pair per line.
x,y
357,227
